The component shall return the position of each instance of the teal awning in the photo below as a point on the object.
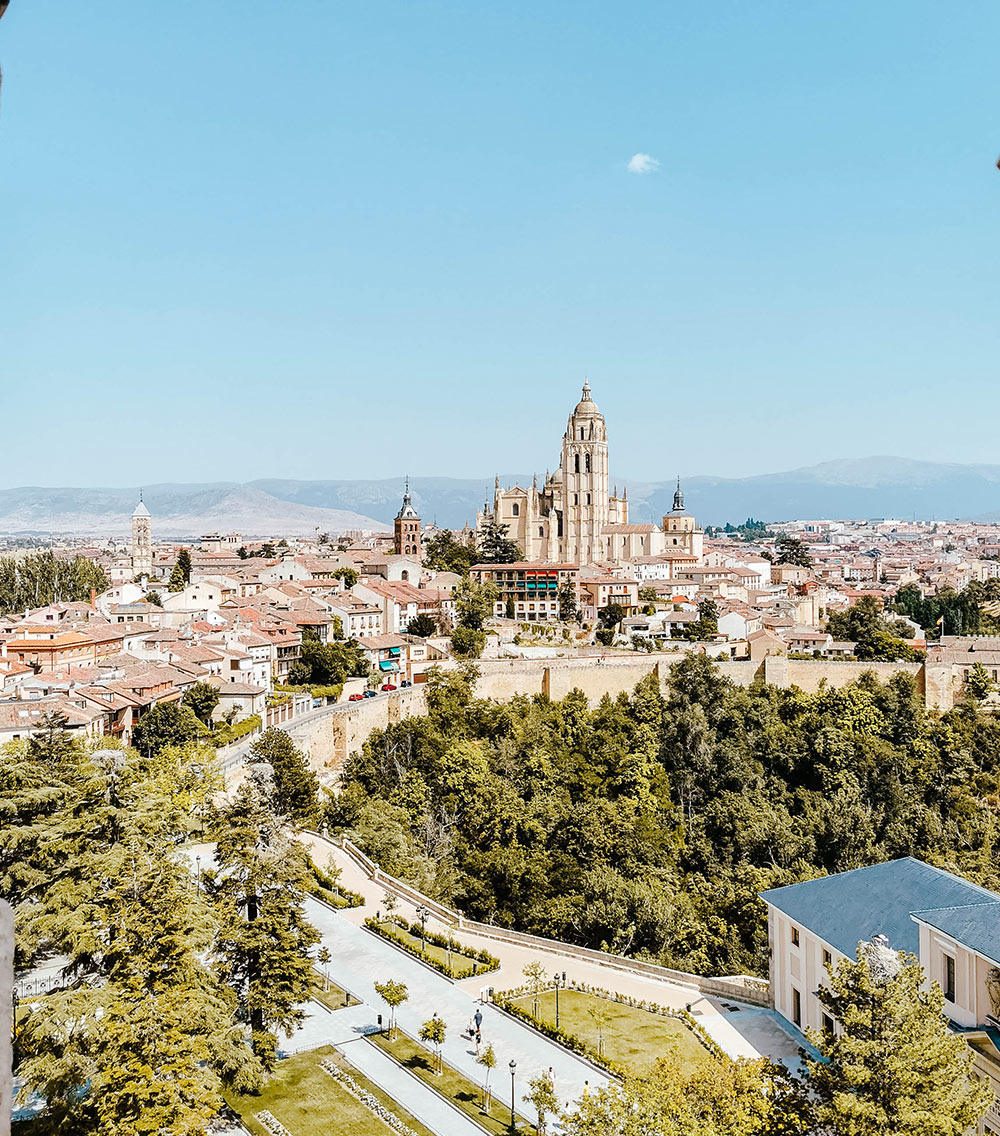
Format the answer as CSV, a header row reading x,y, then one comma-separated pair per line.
x,y
394,651
387,666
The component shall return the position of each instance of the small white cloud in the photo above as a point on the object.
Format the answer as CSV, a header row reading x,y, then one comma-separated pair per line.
x,y
642,164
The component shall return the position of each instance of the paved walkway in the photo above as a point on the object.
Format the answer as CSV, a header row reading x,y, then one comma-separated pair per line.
x,y
744,1032
420,1101
360,959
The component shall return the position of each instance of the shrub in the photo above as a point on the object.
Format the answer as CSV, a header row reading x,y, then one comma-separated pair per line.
x,y
227,732
484,961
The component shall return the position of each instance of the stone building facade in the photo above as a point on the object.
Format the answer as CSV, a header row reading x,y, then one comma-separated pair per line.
x,y
574,517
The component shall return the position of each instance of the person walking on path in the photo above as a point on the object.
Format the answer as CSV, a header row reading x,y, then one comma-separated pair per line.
x,y
477,1017
479,1040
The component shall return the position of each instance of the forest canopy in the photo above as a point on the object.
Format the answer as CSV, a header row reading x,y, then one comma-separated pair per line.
x,y
648,824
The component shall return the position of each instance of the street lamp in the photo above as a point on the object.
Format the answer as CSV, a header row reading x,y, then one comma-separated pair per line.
x,y
198,862
422,914
558,979
513,1070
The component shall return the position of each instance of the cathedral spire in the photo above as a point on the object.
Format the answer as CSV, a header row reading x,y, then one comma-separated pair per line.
x,y
586,390
678,497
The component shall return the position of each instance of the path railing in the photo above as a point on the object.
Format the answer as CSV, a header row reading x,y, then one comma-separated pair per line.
x,y
741,988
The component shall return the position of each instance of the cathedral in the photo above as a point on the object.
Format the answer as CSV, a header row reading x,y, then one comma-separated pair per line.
x,y
573,519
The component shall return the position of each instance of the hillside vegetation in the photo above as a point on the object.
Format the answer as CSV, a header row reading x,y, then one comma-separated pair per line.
x,y
649,824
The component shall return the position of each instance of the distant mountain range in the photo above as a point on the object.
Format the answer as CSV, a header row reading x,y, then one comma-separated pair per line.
x,y
859,488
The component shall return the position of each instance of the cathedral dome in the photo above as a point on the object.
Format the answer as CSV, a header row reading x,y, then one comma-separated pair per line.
x,y
586,406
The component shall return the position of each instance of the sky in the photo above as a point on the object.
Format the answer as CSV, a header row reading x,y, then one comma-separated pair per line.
x,y
330,240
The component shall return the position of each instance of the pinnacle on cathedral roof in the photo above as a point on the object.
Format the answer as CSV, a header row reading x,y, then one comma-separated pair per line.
x,y
140,510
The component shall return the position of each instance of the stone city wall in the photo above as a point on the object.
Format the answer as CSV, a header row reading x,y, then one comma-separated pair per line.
x,y
330,735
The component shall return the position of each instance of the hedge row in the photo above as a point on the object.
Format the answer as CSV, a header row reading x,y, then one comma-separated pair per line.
x,y
227,732
327,888
484,961
504,999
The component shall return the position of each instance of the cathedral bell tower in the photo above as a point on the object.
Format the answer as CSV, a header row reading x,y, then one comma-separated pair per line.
x,y
585,482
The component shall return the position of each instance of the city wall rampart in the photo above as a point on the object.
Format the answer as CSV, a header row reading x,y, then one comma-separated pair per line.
x,y
330,735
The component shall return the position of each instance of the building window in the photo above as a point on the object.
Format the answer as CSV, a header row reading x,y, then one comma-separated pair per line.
x,y
827,958
827,1024
796,1007
588,498
949,978
515,509
576,498
795,936
586,463
576,463
541,531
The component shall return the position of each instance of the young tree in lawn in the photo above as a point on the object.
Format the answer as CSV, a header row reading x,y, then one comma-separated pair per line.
x,y
296,786
543,1097
202,699
600,1015
394,994
536,974
433,1031
324,957
893,1066
389,904
488,1060
265,942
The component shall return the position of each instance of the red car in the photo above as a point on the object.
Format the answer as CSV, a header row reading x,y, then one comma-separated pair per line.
x,y
355,698
388,686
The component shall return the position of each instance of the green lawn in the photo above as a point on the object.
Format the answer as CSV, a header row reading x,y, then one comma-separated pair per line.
x,y
431,950
309,1102
458,1089
333,997
633,1038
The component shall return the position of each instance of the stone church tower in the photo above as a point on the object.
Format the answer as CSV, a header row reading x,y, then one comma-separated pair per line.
x,y
407,527
585,481
142,542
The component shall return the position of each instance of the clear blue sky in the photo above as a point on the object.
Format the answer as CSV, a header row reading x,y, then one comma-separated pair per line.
x,y
319,239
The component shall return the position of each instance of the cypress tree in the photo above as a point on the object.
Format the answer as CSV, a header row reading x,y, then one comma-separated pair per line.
x,y
264,940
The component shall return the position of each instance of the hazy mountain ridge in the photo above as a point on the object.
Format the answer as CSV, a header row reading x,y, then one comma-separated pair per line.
x,y
863,487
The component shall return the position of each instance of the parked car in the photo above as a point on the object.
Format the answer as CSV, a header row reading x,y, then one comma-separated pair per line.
x,y
388,686
405,682
355,697
370,694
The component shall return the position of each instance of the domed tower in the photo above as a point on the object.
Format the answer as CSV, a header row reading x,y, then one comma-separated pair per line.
x,y
142,541
407,527
585,481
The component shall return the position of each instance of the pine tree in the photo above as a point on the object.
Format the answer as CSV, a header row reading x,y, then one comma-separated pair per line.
x,y
296,786
265,940
495,546
893,1068
184,563
176,581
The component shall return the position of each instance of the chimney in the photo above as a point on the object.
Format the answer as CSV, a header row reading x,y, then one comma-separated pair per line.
x,y
93,597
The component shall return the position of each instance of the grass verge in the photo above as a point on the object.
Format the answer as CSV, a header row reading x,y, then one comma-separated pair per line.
x,y
309,1102
633,1039
457,1088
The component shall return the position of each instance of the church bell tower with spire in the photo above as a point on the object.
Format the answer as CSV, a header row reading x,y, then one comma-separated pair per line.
x,y
407,527
585,480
